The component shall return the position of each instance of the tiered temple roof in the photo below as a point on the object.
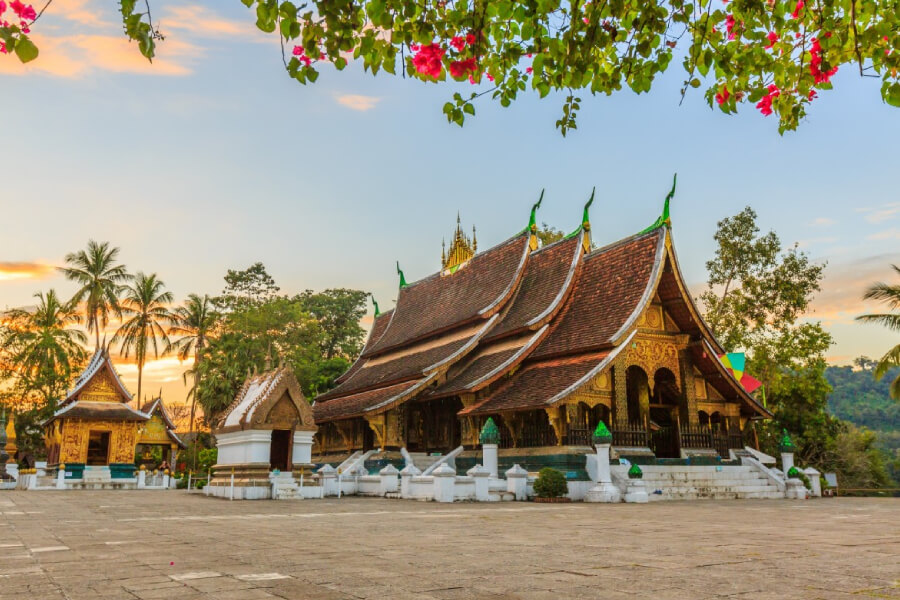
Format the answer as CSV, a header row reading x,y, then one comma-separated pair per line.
x,y
99,394
548,319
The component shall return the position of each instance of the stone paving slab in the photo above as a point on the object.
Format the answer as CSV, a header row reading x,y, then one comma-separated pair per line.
x,y
144,545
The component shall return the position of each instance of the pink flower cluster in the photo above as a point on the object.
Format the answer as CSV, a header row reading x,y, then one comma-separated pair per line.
x,y
459,43
463,68
765,105
300,53
815,63
723,96
427,59
25,14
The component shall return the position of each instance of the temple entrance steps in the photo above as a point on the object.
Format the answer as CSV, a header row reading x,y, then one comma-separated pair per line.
x,y
423,460
712,482
285,486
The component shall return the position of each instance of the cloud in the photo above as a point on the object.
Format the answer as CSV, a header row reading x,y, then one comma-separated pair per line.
x,y
85,12
880,214
888,234
841,298
76,56
822,222
161,370
25,270
358,102
204,22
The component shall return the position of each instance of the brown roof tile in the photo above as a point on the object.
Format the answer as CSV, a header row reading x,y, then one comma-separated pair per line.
x,y
439,303
355,404
610,286
395,369
478,368
544,285
536,384
379,326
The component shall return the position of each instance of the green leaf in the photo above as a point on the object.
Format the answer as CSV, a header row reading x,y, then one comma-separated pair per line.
x,y
26,50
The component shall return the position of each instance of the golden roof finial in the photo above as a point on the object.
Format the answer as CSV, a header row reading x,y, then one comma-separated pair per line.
x,y
461,247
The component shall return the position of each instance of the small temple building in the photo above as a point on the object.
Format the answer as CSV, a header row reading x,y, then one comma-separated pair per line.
x,y
157,433
548,341
268,428
95,428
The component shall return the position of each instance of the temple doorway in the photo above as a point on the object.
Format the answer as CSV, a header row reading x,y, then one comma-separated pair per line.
x,y
433,426
280,452
98,448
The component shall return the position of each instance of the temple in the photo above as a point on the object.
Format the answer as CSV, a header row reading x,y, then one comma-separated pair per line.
x,y
95,431
548,341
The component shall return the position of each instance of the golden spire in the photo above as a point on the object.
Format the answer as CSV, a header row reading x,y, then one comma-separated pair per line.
x,y
461,248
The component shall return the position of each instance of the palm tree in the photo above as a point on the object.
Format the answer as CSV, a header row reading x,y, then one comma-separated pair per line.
x,y
43,346
193,323
890,295
145,302
101,280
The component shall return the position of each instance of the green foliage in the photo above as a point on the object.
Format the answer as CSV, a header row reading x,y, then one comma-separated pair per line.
x,y
889,295
756,291
548,234
145,306
100,279
866,402
317,334
207,459
40,351
571,48
550,483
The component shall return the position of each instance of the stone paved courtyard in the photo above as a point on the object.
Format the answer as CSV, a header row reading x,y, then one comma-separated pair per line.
x,y
178,546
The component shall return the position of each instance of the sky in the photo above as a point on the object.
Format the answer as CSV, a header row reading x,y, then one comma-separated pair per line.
x,y
212,158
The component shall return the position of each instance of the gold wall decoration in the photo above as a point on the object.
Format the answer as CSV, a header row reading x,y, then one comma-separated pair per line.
x,y
284,415
700,385
601,382
652,354
154,432
652,318
76,433
556,418
101,389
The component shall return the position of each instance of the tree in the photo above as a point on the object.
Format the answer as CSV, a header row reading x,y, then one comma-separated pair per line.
x,y
889,295
146,303
101,280
755,296
776,55
339,312
548,234
755,290
192,324
248,288
41,348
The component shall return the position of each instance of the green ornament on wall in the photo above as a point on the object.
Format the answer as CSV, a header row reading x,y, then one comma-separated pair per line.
x,y
635,472
602,435
489,433
787,445
793,473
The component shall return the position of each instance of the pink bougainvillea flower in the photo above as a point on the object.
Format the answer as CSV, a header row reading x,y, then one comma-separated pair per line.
x,y
2,48
428,60
765,105
23,11
723,96
470,38
458,43
812,95
298,51
462,68
729,25
529,70
815,63
798,8
490,77
2,7
772,37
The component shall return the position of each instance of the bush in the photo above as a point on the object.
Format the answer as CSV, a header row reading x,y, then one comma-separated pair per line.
x,y
207,459
550,484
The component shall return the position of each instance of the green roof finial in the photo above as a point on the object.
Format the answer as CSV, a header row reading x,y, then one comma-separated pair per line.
x,y
602,434
635,472
375,302
663,219
489,433
586,218
402,277
532,222
793,473
786,445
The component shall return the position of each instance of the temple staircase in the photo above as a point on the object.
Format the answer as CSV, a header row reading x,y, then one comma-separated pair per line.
x,y
285,487
694,482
